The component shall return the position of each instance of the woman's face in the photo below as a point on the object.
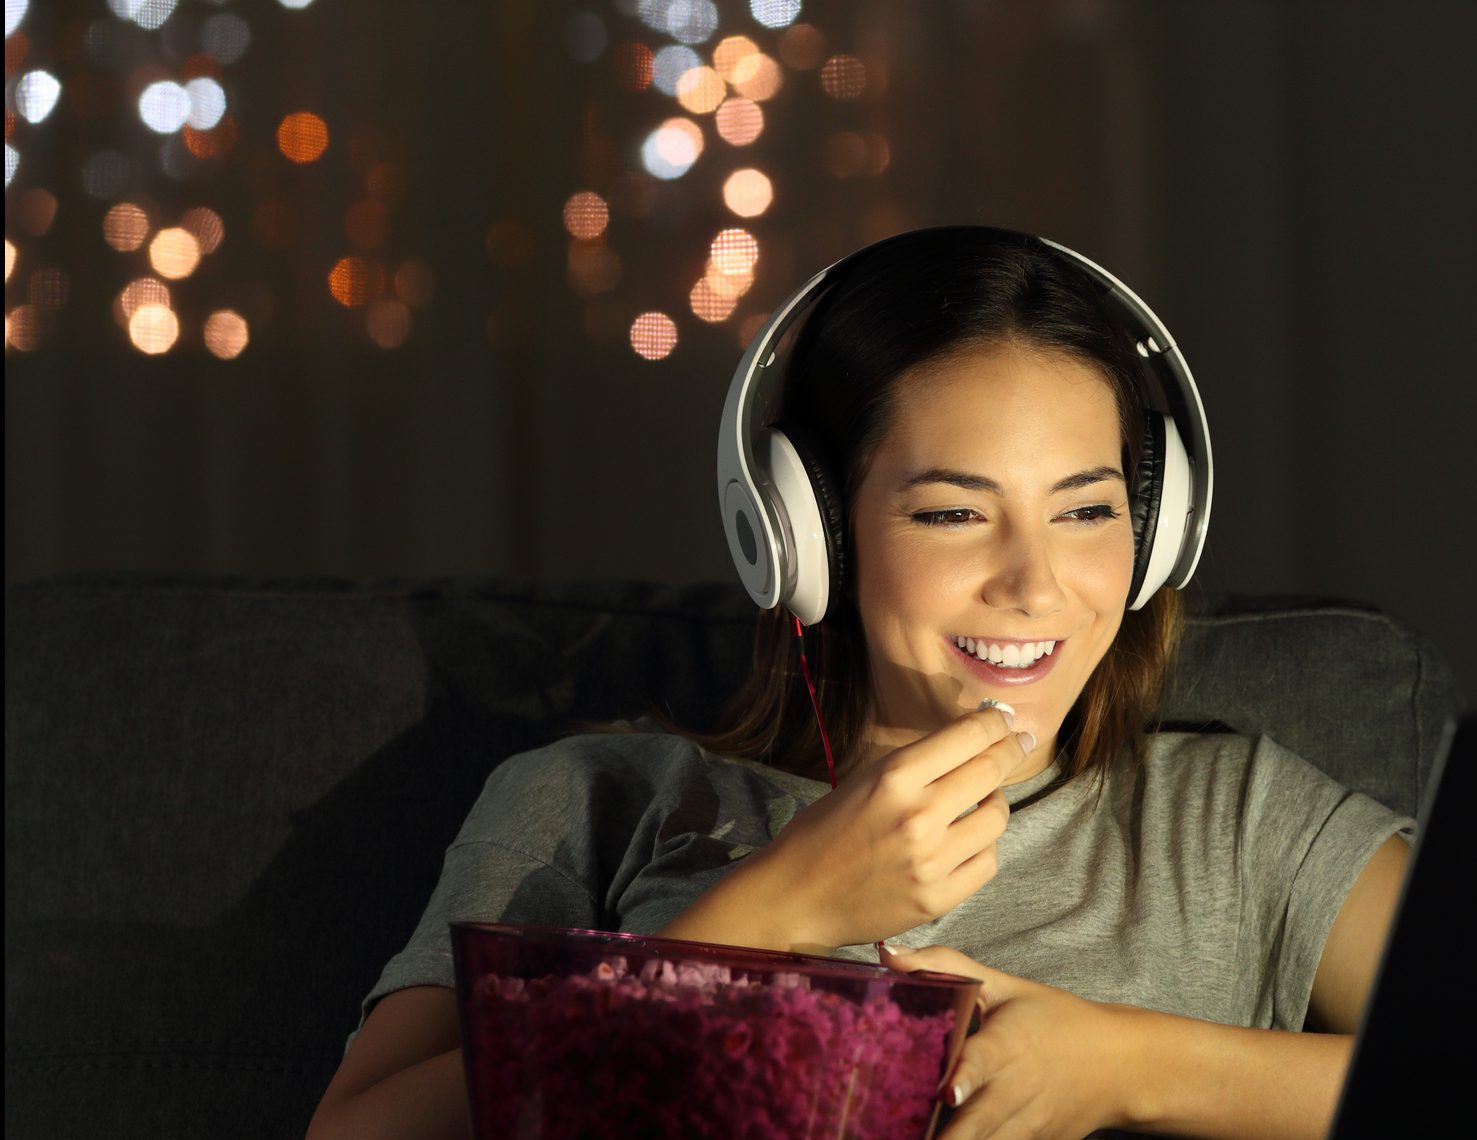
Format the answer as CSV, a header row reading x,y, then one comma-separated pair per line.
x,y
992,542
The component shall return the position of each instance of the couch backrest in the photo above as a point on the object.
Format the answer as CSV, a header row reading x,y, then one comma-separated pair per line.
x,y
226,800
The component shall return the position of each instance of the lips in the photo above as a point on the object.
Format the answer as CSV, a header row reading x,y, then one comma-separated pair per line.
x,y
1001,673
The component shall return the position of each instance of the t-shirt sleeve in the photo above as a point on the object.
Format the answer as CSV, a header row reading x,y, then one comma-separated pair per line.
x,y
1304,841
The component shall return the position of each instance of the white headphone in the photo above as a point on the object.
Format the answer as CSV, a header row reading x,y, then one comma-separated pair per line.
x,y
784,521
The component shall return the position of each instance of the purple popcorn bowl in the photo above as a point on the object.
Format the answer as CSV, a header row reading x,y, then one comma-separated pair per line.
x,y
578,1034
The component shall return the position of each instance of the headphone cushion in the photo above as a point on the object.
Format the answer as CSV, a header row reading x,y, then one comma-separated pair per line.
x,y
828,498
1148,487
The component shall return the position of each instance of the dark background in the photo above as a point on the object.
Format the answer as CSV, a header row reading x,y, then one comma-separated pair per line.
x,y
1289,185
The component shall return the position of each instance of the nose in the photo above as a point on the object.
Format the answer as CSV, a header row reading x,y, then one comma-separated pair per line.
x,y
1023,576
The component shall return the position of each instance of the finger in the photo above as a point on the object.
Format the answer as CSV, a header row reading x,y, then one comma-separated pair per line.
x,y
973,834
959,789
956,743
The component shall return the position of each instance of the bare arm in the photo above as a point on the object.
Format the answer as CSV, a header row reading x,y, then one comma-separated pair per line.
x,y
402,1079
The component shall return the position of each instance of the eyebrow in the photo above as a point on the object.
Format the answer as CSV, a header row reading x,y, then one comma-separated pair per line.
x,y
970,482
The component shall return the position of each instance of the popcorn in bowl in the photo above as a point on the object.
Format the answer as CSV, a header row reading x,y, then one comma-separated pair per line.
x,y
572,1034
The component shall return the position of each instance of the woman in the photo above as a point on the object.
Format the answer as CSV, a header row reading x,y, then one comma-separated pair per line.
x,y
1181,905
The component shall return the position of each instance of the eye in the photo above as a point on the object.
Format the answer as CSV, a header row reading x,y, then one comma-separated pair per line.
x,y
952,517
1100,512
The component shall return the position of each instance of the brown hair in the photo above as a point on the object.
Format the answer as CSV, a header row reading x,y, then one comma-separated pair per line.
x,y
907,302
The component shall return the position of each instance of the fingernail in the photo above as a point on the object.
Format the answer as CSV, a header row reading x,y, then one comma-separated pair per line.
x,y
1028,741
897,950
959,1093
992,703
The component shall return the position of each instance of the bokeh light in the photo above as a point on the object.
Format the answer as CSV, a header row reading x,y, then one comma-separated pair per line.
x,y
34,211
844,154
295,5
653,335
207,103
36,93
367,223
730,52
700,90
125,226
105,174
757,77
586,215
138,293
153,329
415,284
48,288
843,77
774,13
594,268
586,36
687,21
633,66
348,281
23,328
710,305
12,163
671,149
205,226
388,323
739,121
164,106
302,137
9,259
174,253
670,64
748,192
225,37
801,47
147,14
15,12
226,334
734,252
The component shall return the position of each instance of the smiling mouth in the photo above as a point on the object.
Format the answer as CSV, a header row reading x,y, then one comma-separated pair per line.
x,y
1005,654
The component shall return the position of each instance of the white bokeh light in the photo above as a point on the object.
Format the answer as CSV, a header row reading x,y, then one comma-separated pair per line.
x,y
670,64
164,106
775,13
150,14
225,37
12,162
295,5
15,12
691,21
207,103
671,149
36,94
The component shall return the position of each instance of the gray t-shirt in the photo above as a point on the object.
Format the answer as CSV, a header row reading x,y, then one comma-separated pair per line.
x,y
1202,884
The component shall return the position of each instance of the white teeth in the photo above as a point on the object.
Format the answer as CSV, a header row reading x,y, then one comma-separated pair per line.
x,y
1013,655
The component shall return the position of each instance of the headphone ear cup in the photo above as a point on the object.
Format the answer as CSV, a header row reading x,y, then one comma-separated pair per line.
x,y
1148,490
830,504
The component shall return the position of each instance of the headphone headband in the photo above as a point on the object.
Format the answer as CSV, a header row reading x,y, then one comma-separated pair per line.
x,y
776,529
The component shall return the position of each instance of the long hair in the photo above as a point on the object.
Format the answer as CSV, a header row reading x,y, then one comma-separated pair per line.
x,y
911,300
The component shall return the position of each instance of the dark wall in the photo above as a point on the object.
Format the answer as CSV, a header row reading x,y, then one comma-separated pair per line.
x,y
1288,185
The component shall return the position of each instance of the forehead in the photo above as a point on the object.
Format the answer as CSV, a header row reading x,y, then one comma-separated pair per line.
x,y
1009,395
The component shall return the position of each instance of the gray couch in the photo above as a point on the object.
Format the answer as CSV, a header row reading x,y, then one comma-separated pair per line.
x,y
226,800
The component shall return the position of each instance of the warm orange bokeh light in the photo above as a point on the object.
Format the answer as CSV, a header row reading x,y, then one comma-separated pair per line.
x,y
653,335
9,259
730,52
205,225
136,294
633,65
593,267
153,329
843,77
757,77
302,136
586,215
748,192
739,121
700,90
388,323
348,281
34,211
174,253
367,223
734,252
23,328
415,284
801,46
709,305
125,226
226,333
48,288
